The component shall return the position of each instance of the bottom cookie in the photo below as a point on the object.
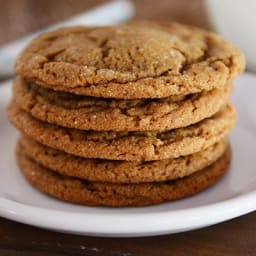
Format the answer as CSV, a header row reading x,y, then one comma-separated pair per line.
x,y
110,194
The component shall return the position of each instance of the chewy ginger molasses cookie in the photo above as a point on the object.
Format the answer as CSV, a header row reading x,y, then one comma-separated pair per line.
x,y
120,171
138,60
133,146
99,114
110,194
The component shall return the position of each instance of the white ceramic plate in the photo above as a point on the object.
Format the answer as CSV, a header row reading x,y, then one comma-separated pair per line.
x,y
233,196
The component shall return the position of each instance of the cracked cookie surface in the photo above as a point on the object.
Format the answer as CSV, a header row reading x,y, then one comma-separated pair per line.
x,y
99,114
110,194
133,146
120,171
138,60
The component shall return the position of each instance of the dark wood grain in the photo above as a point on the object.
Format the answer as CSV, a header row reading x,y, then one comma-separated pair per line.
x,y
236,237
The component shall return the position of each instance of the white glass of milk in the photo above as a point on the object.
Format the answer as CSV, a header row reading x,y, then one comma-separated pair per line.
x,y
235,20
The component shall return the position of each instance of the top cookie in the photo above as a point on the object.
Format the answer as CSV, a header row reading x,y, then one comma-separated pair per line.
x,y
138,60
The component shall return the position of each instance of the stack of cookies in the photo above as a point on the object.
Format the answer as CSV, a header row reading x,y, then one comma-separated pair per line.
x,y
126,115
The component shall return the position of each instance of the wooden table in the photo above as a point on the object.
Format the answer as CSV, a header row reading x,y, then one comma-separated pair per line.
x,y
236,237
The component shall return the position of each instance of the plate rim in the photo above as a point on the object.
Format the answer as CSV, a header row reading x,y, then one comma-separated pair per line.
x,y
63,221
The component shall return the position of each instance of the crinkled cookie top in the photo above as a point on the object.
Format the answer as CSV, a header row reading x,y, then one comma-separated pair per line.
x,y
139,60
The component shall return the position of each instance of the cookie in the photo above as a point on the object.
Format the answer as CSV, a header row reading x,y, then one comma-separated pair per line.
x,y
138,60
98,114
110,194
120,171
133,146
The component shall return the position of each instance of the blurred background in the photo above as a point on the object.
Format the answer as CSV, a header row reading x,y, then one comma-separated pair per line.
x,y
18,17
233,20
